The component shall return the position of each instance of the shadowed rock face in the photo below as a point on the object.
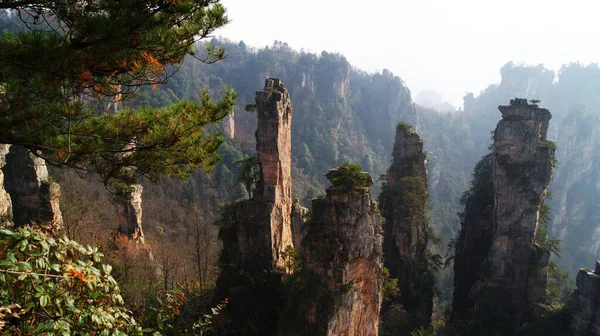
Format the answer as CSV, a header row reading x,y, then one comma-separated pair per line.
x,y
5,202
35,199
586,302
274,149
403,203
514,278
475,238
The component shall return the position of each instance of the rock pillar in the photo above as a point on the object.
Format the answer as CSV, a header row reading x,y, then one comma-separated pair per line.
x,y
274,149
586,302
129,213
343,249
513,279
35,198
257,233
5,202
403,204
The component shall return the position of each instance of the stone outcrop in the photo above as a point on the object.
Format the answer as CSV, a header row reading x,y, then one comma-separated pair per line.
x,y
5,202
403,203
586,302
343,249
513,278
35,198
274,149
129,213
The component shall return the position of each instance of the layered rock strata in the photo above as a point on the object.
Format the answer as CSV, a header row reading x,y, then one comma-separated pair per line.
x,y
343,249
586,302
513,280
35,198
403,203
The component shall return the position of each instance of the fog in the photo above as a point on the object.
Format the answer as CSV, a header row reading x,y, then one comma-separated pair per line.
x,y
450,47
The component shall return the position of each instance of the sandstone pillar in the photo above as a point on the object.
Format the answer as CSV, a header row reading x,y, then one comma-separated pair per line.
x,y
403,204
586,302
513,281
129,213
343,248
35,198
274,149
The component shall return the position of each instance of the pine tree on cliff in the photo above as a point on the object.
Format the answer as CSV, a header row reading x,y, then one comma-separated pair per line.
x,y
66,59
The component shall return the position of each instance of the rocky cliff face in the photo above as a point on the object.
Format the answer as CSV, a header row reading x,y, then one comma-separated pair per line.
x,y
129,213
35,198
513,280
343,248
274,148
403,203
586,302
5,202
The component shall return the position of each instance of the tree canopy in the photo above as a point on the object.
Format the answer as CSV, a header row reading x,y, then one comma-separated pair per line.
x,y
66,60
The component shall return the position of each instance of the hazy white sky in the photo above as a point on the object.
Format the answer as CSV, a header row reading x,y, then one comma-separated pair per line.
x,y
451,47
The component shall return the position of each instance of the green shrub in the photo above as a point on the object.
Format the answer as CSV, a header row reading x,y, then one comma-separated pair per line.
x,y
349,175
62,287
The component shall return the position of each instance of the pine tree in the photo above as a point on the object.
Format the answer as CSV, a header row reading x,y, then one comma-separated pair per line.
x,y
66,60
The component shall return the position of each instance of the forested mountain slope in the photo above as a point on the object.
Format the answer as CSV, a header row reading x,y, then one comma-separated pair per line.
x,y
344,114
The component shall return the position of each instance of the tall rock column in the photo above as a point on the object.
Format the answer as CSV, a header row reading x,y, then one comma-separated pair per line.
x,y
5,202
338,291
256,233
274,149
513,279
129,213
403,204
35,198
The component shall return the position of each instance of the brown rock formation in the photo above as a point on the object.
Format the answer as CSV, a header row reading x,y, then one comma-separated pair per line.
x,y
403,203
513,279
35,199
586,302
129,213
274,148
5,202
343,250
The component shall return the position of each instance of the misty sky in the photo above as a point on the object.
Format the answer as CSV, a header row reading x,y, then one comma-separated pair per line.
x,y
451,47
